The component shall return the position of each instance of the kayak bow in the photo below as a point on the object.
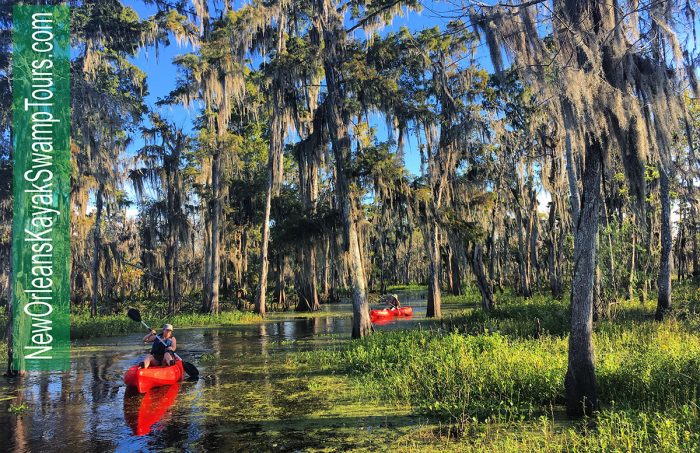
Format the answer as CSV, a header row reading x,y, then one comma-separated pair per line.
x,y
145,379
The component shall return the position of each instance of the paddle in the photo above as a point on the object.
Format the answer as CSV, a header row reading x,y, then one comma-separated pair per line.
x,y
190,369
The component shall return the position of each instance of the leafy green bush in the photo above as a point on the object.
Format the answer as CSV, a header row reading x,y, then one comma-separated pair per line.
x,y
84,326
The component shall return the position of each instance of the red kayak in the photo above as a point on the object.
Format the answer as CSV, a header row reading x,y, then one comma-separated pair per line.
x,y
145,379
384,314
141,412
403,311
380,314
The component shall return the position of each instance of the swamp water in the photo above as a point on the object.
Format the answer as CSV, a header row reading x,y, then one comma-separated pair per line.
x,y
250,396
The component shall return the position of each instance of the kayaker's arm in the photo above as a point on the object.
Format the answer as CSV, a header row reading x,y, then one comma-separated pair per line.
x,y
150,337
173,346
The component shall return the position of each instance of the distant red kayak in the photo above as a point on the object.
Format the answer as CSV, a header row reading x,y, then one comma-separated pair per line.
x,y
403,311
377,314
144,379
384,314
142,412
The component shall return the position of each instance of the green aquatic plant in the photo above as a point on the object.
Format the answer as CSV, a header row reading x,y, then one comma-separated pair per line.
x,y
18,408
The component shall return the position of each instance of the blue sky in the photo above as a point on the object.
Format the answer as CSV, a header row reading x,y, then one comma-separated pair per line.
x,y
162,74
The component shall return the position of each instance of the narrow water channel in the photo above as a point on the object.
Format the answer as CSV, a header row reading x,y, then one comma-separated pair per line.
x,y
248,398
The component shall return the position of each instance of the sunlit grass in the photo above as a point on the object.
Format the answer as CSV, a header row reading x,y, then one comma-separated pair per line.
x,y
85,326
409,287
497,379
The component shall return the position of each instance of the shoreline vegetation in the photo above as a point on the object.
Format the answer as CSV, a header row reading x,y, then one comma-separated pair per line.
x,y
84,326
532,164
495,381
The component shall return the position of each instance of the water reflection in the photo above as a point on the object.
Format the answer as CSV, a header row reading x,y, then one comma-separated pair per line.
x,y
141,412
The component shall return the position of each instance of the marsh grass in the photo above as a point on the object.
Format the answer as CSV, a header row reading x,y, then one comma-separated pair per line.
x,y
410,287
497,381
84,326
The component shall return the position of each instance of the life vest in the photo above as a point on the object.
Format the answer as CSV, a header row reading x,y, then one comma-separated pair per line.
x,y
158,348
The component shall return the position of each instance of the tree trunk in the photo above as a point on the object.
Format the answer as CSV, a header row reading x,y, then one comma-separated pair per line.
x,y
694,239
274,169
176,276
633,261
482,281
664,282
206,288
280,294
8,327
325,281
571,173
553,257
409,256
97,243
361,325
523,256
308,188
382,264
580,385
446,273
491,247
532,235
434,309
308,291
456,275
170,257
334,36
261,296
213,302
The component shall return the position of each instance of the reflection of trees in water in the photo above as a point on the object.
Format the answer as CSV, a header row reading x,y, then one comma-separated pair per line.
x,y
267,385
318,328
99,390
212,342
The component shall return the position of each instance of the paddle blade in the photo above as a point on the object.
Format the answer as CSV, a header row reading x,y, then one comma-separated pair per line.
x,y
134,314
190,369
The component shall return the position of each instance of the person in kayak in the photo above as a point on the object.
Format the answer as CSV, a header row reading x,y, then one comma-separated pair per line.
x,y
162,352
393,302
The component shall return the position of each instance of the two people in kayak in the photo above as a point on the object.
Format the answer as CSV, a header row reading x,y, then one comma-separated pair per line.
x,y
163,349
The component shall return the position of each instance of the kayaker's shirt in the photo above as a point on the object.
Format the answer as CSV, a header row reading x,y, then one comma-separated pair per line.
x,y
159,347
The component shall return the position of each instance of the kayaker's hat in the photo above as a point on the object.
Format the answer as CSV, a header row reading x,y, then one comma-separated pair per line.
x,y
168,327
395,296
